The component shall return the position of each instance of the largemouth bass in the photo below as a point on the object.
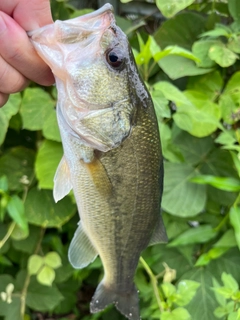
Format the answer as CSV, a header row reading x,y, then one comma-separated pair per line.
x,y
112,153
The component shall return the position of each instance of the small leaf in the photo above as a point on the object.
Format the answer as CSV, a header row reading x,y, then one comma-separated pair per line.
x,y
229,282
19,234
168,289
171,7
220,299
186,290
228,240
199,234
16,210
53,260
46,276
35,263
3,184
228,184
235,222
222,55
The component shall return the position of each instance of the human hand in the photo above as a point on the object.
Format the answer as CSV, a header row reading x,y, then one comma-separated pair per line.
x,y
19,62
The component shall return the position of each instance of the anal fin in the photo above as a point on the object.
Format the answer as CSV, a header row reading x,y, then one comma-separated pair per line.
x,y
62,181
81,251
159,234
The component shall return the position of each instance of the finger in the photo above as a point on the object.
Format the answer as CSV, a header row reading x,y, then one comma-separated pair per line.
x,y
20,54
29,14
3,99
11,80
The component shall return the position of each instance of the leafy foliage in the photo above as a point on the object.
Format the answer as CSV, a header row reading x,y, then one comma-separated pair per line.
x,y
190,64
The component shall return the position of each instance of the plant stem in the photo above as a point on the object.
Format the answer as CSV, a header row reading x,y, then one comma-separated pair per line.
x,y
153,281
8,234
28,277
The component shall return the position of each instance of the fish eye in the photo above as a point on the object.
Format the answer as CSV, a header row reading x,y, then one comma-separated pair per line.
x,y
114,58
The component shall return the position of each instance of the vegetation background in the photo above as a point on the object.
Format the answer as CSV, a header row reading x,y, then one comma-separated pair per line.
x,y
188,55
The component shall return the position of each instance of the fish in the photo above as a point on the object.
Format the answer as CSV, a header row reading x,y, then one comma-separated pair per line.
x,y
112,152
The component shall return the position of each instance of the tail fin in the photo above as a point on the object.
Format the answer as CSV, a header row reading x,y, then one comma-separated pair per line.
x,y
126,303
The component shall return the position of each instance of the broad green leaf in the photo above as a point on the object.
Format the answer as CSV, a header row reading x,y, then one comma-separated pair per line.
x,y
6,112
228,184
168,289
50,127
228,108
46,276
188,25
16,211
176,314
42,298
48,158
177,51
234,44
227,240
220,299
199,234
229,281
227,138
36,107
217,32
169,149
210,84
234,316
234,9
203,303
200,49
222,55
225,292
235,222
35,263
41,210
181,197
20,161
195,150
186,290
171,7
177,67
233,87
53,260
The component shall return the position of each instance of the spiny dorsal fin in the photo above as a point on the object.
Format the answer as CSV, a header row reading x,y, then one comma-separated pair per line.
x,y
62,181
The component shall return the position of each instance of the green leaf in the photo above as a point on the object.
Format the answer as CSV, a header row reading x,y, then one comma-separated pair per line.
x,y
228,184
220,299
177,51
176,314
46,276
20,161
210,84
50,127
200,49
181,197
6,112
168,289
29,244
234,9
15,209
228,240
19,234
212,254
171,7
160,103
235,222
217,32
234,315
3,184
53,260
203,303
41,209
35,263
222,55
186,290
35,109
42,298
234,45
229,282
48,158
199,234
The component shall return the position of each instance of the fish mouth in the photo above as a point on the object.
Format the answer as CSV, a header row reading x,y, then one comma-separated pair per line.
x,y
65,31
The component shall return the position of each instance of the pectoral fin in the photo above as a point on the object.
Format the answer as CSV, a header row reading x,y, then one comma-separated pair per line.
x,y
81,251
159,234
62,182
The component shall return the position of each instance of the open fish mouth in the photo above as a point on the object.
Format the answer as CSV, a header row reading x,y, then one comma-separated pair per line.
x,y
63,31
